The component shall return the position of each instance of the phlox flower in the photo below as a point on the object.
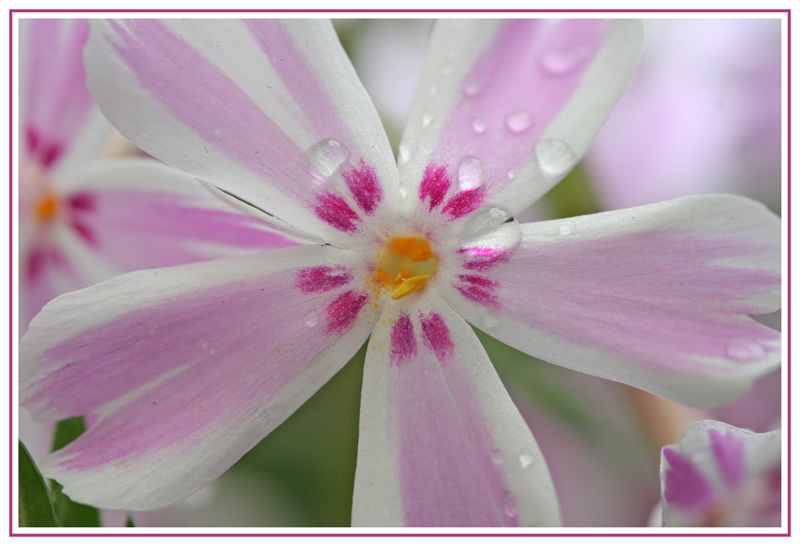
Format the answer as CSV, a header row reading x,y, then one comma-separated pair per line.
x,y
722,476
188,367
85,220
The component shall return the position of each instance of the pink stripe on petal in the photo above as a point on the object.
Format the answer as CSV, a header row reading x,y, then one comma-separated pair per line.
x,y
434,186
335,211
342,313
202,97
322,278
437,336
403,342
684,485
363,184
729,451
464,202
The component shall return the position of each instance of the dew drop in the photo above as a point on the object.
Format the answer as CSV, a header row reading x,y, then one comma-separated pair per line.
x,y
566,228
447,70
432,89
519,121
562,62
427,118
478,125
555,157
499,215
407,149
311,318
526,458
451,54
511,174
490,320
509,504
470,173
744,350
204,345
325,157
471,88
498,457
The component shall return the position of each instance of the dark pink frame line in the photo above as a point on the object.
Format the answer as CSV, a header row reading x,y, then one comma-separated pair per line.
x,y
11,499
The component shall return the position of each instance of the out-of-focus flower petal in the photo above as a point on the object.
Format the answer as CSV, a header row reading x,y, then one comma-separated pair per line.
x,y
181,394
721,475
440,442
657,297
269,110
506,108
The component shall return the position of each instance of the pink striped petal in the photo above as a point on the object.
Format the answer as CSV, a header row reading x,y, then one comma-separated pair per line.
x,y
60,123
268,110
440,442
657,297
506,108
720,475
187,368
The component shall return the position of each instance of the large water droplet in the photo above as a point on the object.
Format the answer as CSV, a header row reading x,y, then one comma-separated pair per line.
x,y
325,157
427,118
519,121
744,350
490,320
407,149
526,458
311,318
566,228
471,88
498,457
555,157
511,174
471,173
509,504
479,126
562,62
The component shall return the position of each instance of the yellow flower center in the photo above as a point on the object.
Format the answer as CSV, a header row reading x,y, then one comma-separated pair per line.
x,y
405,264
46,208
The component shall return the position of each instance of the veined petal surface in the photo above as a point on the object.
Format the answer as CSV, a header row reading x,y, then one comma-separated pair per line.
x,y
506,108
720,475
440,442
657,297
187,367
268,110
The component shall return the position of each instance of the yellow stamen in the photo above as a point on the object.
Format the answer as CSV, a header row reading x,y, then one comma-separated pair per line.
x,y
409,285
47,207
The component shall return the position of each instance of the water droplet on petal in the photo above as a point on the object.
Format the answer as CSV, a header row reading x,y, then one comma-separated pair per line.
x,y
499,215
555,157
470,173
447,70
511,174
744,350
407,149
566,228
311,318
509,504
562,62
519,121
526,458
432,89
498,457
427,118
479,126
451,54
490,320
471,88
325,157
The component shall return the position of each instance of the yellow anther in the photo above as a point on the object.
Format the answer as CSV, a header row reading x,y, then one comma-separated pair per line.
x,y
409,285
46,208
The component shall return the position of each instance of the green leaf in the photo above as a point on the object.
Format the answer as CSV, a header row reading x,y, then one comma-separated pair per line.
x,y
573,196
70,513
129,521
35,509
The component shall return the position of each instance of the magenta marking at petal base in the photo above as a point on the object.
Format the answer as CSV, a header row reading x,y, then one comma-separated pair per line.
x,y
343,312
447,477
334,210
728,449
479,295
82,201
322,278
437,335
84,232
403,342
464,202
212,105
684,485
363,184
44,153
434,186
